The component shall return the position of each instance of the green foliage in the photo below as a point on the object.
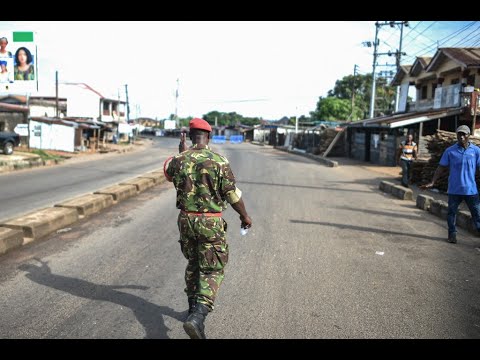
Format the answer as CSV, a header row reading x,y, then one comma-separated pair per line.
x,y
232,118
332,109
46,156
340,109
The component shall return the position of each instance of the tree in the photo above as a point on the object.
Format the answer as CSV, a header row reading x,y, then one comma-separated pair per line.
x,y
332,109
231,118
384,95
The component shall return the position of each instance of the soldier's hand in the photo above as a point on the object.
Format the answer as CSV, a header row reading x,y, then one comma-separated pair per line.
x,y
246,222
183,145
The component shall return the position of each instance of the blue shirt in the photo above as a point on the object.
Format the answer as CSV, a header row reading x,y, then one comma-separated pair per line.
x,y
463,164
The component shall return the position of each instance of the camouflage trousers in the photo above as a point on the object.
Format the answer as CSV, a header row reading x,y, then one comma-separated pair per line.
x,y
203,243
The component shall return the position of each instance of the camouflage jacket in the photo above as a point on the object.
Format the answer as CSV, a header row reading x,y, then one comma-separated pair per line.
x,y
203,179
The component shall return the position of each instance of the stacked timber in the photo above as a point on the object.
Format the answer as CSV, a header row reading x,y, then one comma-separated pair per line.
x,y
423,169
326,138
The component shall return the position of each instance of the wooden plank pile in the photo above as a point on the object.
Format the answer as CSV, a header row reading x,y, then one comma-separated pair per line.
x,y
423,169
326,137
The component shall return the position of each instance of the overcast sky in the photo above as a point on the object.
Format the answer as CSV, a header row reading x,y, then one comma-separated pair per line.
x,y
263,68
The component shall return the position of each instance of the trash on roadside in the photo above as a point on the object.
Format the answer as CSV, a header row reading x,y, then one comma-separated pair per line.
x,y
63,230
379,252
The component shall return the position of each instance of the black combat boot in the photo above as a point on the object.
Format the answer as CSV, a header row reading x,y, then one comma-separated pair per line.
x,y
191,305
194,326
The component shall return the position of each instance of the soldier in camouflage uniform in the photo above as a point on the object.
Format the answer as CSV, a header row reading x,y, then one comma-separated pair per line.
x,y
205,184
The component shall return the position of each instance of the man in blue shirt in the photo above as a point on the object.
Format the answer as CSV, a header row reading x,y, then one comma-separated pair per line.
x,y
462,159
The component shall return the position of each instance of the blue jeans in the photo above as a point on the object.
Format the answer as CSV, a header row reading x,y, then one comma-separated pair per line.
x,y
406,166
473,203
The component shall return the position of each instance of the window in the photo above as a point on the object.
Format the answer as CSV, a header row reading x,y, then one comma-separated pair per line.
x,y
455,81
424,92
434,86
471,80
106,108
2,125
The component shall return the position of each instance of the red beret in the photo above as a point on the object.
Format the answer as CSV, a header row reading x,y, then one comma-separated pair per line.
x,y
201,124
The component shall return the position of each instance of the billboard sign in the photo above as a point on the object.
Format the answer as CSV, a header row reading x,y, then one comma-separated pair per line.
x,y
170,124
18,63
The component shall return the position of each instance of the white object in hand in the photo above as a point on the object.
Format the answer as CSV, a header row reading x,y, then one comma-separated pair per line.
x,y
243,231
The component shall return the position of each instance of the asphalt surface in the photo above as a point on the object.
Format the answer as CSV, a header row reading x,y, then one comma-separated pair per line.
x,y
328,256
27,190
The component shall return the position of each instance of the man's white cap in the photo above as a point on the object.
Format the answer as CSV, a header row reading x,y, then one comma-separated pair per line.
x,y
464,129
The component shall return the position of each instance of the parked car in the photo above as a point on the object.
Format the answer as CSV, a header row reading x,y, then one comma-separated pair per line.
x,y
8,140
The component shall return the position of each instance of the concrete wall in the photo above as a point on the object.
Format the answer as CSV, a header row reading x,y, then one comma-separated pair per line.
x,y
52,136
358,145
43,110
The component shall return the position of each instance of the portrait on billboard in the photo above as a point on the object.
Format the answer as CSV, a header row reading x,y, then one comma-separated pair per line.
x,y
6,70
4,52
24,68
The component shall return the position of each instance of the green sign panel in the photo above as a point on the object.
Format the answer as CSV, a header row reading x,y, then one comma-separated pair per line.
x,y
23,36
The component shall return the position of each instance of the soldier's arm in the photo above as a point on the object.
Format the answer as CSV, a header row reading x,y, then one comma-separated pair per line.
x,y
233,195
239,207
168,169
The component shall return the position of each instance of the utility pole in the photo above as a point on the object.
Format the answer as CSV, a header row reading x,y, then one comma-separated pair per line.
x,y
128,105
353,90
372,98
118,118
399,57
398,54
296,120
176,105
56,93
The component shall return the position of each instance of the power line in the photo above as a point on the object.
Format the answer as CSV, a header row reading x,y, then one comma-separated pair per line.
x,y
411,29
476,43
420,33
466,37
442,41
428,27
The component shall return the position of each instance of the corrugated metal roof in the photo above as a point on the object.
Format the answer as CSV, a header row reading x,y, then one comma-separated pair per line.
x,y
50,120
468,57
420,63
404,119
10,98
13,107
402,71
115,100
67,122
424,60
84,86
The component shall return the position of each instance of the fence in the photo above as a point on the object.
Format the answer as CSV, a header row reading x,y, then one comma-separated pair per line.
x,y
236,139
218,139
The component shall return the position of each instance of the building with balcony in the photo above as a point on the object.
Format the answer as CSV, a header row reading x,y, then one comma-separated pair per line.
x,y
446,88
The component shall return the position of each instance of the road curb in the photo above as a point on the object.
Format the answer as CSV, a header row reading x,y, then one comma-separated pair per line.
x,y
156,176
87,205
119,192
10,239
35,225
40,223
141,183
439,208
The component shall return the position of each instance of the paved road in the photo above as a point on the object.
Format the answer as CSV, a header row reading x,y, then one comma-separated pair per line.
x,y
328,256
23,191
